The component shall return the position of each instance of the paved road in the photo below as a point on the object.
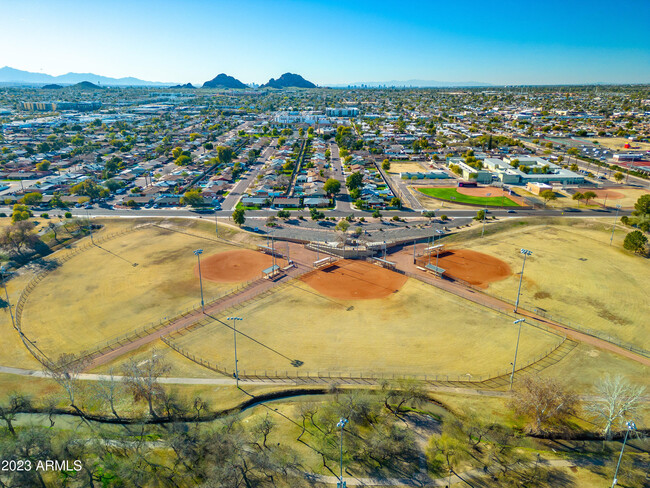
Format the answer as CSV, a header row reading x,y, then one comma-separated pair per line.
x,y
230,202
343,201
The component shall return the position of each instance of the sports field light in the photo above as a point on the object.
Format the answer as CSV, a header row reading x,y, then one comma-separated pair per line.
x,y
630,426
198,253
234,332
341,425
526,253
514,362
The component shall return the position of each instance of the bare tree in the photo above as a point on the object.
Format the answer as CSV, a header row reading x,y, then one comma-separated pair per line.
x,y
542,400
18,237
108,390
65,371
16,404
617,399
141,378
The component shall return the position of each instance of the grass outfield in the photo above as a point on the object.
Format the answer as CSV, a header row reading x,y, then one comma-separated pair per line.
x,y
573,274
100,294
448,193
418,330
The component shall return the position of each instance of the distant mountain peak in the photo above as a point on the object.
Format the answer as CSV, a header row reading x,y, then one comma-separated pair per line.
x,y
289,80
222,80
86,85
186,85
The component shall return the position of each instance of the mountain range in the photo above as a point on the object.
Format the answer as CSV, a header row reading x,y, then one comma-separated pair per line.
x,y
10,75
13,76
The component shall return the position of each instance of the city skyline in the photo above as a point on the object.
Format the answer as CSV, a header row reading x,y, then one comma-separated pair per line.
x,y
333,43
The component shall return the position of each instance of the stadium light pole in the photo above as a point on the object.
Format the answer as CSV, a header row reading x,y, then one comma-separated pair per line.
x,y
526,253
234,332
630,426
618,207
341,425
514,362
198,253
4,285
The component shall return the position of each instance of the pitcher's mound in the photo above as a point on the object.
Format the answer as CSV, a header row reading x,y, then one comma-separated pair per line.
x,y
234,266
355,280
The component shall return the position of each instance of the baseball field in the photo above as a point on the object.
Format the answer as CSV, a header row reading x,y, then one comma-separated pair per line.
x,y
123,284
573,274
401,326
473,196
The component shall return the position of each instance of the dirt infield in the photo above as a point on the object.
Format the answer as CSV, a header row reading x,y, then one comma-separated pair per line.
x,y
233,266
355,280
482,191
473,267
610,194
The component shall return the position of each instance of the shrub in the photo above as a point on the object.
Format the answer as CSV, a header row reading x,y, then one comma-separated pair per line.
x,y
68,215
45,216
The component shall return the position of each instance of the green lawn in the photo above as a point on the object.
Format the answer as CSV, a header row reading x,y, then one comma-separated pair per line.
x,y
448,193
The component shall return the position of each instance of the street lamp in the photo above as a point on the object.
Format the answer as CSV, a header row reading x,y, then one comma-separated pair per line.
x,y
4,284
630,426
341,425
618,207
198,253
234,332
514,362
526,253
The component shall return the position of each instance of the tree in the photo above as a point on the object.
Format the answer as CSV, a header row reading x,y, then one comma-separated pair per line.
x,y
548,195
618,176
32,198
376,214
90,189
176,152
192,197
284,214
328,154
617,400
239,216
208,146
542,400
385,165
589,195
141,379
43,165
332,186
642,205
183,160
636,242
343,225
316,214
396,202
56,201
225,154
65,370
355,180
20,212
577,196
480,215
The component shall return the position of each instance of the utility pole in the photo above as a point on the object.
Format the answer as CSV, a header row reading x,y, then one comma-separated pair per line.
x,y
630,426
198,253
341,483
514,362
525,252
234,332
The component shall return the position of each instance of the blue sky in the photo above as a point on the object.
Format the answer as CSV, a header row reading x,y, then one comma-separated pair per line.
x,y
328,42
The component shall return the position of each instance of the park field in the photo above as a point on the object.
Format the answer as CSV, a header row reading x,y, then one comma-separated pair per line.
x,y
618,143
120,285
400,167
416,330
453,195
573,274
